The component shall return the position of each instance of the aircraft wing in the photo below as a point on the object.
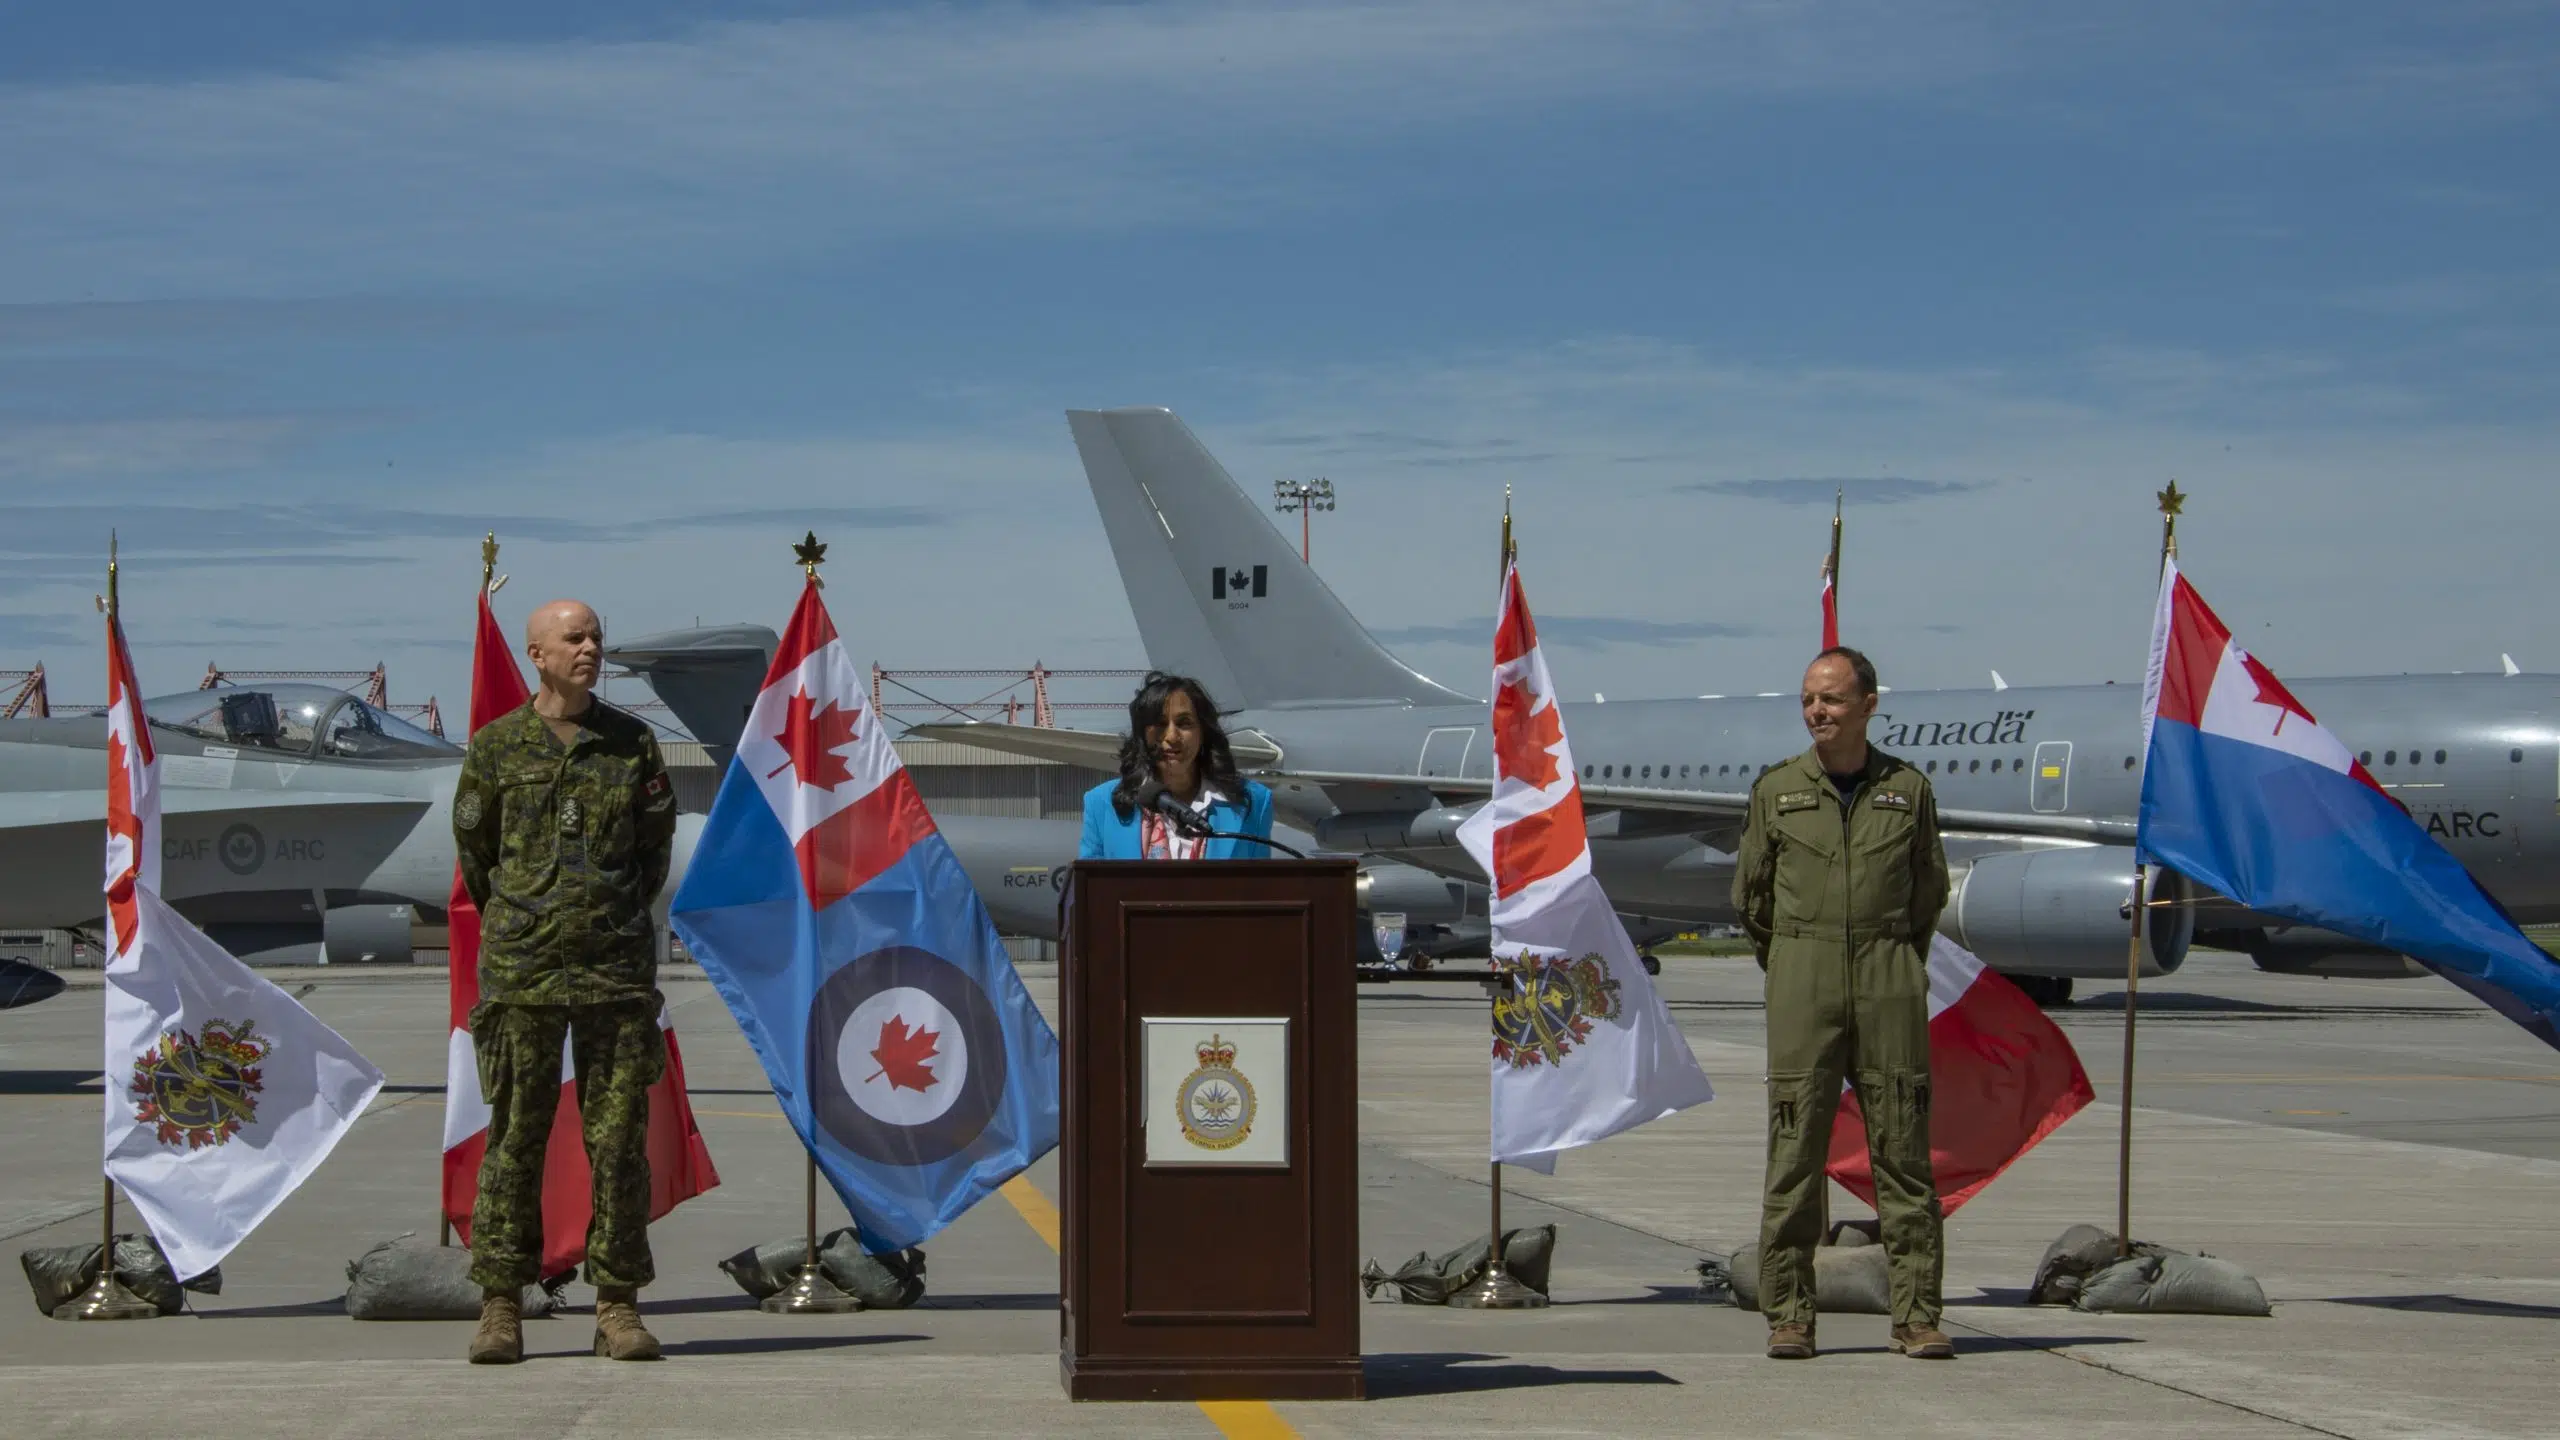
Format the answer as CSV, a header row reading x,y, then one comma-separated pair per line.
x,y
1263,760
1089,748
1649,803
28,808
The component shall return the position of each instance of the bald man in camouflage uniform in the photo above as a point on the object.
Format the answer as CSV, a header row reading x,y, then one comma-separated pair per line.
x,y
565,820
1839,880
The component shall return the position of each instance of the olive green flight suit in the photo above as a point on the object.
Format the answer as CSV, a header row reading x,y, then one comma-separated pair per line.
x,y
1840,903
564,847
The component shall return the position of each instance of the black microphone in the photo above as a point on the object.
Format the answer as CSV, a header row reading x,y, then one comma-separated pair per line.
x,y
1153,796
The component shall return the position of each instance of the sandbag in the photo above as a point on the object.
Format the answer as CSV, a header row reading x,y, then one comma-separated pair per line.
x,y
891,1281
1848,1279
57,1273
2173,1283
1428,1279
2080,1252
412,1279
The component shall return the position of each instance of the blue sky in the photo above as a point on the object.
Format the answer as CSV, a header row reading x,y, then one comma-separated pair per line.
x,y
304,296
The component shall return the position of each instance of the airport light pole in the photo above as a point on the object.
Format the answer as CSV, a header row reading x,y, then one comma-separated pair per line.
x,y
1302,497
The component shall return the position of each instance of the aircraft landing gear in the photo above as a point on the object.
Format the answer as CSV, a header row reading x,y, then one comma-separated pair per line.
x,y
1652,966
2050,992
1416,962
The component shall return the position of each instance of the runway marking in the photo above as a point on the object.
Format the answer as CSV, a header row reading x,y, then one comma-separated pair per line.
x,y
1247,1420
1034,1208
1235,1419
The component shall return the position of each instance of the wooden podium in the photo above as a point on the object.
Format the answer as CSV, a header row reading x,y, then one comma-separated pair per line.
x,y
1210,1141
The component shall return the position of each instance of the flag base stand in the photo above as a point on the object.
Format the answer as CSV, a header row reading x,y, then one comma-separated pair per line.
x,y
106,1300
812,1294
1497,1290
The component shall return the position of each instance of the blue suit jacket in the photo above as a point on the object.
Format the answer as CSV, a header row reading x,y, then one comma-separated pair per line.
x,y
1110,836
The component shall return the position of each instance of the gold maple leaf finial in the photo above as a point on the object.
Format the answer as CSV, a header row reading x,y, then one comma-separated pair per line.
x,y
2172,501
811,555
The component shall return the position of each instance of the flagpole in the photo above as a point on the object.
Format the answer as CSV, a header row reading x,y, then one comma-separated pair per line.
x,y
811,1293
2171,502
107,1299
1497,1289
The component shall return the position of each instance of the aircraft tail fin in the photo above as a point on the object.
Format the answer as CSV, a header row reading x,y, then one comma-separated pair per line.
x,y
1218,593
708,677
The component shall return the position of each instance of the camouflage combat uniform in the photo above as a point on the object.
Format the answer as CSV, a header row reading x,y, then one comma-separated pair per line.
x,y
1840,899
563,848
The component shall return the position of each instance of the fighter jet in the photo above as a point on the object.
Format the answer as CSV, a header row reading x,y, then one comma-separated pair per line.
x,y
298,822
2037,786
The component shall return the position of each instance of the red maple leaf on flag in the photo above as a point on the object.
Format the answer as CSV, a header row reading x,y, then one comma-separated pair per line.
x,y
902,1053
2271,691
809,739
122,821
1524,742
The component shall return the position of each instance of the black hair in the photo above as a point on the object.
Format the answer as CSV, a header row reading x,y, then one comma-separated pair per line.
x,y
1858,662
1146,710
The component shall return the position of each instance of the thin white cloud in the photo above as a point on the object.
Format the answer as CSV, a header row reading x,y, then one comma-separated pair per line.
x,y
572,160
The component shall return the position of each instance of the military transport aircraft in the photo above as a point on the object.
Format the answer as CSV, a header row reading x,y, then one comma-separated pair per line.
x,y
2037,787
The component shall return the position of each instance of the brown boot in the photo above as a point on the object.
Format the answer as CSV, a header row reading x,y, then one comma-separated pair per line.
x,y
1921,1342
500,1338
1790,1342
619,1333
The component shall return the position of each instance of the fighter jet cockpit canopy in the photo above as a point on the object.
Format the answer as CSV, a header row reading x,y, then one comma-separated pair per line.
x,y
301,720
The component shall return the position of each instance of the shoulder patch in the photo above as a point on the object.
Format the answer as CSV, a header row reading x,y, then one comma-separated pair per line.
x,y
1798,800
1891,800
466,810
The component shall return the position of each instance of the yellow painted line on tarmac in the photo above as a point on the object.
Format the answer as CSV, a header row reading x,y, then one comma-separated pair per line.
x,y
1034,1208
1235,1419
1247,1420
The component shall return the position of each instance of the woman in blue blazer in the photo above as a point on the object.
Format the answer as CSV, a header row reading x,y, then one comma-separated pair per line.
x,y
1174,744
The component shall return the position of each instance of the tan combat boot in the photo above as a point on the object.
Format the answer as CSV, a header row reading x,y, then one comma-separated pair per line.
x,y
500,1338
1921,1342
619,1333
1790,1342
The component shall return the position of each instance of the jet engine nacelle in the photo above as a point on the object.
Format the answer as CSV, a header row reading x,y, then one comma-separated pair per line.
x,y
2062,912
367,934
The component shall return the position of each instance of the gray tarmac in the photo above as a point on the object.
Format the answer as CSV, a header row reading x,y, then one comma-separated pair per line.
x,y
2384,1156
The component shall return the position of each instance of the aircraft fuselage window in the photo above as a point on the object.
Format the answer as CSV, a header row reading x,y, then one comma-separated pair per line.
x,y
1684,774
1973,767
2364,759
2128,762
1933,767
1995,767
1586,772
2515,757
1648,772
2439,757
1608,772
2390,757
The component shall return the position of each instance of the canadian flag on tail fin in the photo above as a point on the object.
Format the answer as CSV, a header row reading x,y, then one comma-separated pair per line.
x,y
2244,791
2001,1078
1583,1046
222,1093
679,1163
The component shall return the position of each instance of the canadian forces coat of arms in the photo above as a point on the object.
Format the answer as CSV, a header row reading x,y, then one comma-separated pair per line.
x,y
198,1090
1215,1103
1550,1006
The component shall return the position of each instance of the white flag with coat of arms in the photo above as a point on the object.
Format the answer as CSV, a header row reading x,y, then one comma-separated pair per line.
x,y
222,1093
1583,1046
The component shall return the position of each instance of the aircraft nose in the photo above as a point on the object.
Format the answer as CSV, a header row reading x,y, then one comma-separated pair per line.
x,y
24,984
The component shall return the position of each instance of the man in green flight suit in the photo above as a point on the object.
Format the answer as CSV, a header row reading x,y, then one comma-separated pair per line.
x,y
564,819
1839,881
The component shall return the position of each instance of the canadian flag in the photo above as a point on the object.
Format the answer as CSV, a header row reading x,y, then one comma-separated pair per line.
x,y
2001,1078
1583,1046
679,1163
